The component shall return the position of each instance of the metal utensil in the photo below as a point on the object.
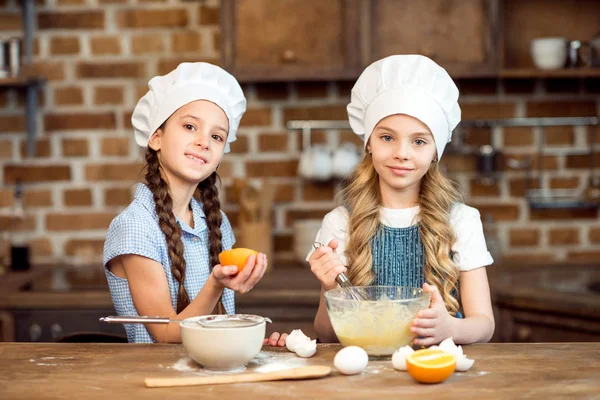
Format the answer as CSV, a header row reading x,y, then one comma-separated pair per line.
x,y
343,280
210,321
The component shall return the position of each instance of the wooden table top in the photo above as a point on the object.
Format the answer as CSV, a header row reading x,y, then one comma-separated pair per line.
x,y
108,371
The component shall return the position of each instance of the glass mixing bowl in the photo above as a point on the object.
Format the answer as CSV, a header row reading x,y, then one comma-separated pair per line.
x,y
381,323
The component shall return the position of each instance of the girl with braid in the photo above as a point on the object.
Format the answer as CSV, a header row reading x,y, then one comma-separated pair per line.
x,y
161,252
401,221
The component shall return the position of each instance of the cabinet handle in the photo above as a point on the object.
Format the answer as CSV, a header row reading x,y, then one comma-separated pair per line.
x,y
288,56
55,331
524,333
35,333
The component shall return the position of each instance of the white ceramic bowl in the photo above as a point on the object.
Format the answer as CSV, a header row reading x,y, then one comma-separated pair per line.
x,y
223,342
549,53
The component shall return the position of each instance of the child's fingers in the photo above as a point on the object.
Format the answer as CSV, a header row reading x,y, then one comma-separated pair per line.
x,y
330,270
322,251
333,244
423,322
424,332
335,271
436,297
266,341
427,313
426,341
274,338
323,265
223,271
242,277
249,267
264,265
257,273
282,339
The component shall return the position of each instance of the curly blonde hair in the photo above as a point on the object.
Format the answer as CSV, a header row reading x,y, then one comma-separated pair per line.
x,y
437,196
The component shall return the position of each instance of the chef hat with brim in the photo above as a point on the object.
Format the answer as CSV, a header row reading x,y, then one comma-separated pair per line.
x,y
405,84
187,83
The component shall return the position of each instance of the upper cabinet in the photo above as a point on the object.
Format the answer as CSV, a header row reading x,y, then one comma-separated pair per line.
x,y
457,34
290,39
336,39
524,21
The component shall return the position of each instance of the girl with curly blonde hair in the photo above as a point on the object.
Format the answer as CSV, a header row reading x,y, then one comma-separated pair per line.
x,y
402,221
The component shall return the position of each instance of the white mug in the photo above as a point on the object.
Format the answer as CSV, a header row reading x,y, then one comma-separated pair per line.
x,y
344,160
305,165
321,163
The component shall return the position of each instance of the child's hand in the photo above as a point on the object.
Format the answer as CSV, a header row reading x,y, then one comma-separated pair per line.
x,y
433,324
243,282
276,339
326,265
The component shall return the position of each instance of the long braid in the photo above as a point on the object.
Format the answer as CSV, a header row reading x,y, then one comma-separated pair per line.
x,y
168,224
208,194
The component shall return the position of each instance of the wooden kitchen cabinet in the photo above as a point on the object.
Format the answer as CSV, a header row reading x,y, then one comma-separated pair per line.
x,y
265,40
546,303
457,34
519,326
55,325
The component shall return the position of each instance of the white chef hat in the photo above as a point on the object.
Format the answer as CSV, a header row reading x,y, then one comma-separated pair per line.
x,y
188,82
405,84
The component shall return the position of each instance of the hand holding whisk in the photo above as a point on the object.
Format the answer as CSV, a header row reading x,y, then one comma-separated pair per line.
x,y
343,280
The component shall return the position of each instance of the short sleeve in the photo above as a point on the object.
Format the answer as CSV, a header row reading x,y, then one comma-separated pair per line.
x,y
131,234
334,226
228,238
470,247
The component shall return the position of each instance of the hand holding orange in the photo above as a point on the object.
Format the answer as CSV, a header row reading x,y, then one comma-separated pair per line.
x,y
237,257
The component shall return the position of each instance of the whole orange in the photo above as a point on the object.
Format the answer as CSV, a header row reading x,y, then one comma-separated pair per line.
x,y
237,257
430,366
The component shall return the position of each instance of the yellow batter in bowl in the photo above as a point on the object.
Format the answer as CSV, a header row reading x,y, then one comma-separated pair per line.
x,y
380,324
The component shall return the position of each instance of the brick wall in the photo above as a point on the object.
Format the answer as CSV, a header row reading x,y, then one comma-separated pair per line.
x,y
98,56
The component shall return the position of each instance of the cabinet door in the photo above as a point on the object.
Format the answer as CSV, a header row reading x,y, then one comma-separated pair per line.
x,y
290,39
51,325
457,34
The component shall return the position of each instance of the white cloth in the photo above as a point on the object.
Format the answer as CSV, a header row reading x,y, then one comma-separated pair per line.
x,y
470,247
188,82
405,84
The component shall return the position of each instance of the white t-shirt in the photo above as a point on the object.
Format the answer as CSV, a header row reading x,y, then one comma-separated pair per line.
x,y
470,248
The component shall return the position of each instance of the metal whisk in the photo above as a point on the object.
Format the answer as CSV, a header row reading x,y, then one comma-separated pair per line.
x,y
343,280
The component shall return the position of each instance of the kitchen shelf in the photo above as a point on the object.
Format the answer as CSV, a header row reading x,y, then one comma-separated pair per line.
x,y
30,83
550,204
584,72
21,81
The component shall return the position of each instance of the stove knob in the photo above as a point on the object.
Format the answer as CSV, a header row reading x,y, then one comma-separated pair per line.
x,y
35,333
56,331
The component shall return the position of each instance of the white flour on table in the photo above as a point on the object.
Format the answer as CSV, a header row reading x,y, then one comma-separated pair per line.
x,y
265,361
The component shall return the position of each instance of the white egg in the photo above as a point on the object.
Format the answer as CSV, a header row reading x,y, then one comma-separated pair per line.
x,y
351,360
306,348
399,357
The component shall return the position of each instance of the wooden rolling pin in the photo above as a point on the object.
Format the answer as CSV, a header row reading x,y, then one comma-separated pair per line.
x,y
314,371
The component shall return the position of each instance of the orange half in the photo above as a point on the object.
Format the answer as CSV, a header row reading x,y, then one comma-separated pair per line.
x,y
237,257
430,366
